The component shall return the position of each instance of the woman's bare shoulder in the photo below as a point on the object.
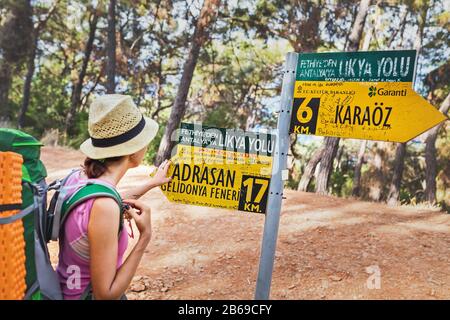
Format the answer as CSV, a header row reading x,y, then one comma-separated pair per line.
x,y
106,206
104,219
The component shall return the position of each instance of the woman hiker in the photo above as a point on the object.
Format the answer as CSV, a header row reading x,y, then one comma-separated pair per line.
x,y
91,257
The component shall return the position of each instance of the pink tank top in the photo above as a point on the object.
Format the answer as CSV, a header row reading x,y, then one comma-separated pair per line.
x,y
74,262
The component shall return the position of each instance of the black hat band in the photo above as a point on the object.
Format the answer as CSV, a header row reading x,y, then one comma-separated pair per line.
x,y
121,138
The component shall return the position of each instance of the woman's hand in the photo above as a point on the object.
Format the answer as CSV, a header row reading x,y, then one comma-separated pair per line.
x,y
141,214
160,176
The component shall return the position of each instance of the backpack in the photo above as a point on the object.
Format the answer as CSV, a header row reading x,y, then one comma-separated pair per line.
x,y
40,223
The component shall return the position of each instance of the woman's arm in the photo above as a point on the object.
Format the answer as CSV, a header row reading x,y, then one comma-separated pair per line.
x,y
107,282
159,178
139,191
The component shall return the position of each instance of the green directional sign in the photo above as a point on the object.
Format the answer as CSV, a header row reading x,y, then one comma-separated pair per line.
x,y
363,66
361,95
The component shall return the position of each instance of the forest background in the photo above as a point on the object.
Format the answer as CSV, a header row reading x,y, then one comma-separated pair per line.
x,y
220,63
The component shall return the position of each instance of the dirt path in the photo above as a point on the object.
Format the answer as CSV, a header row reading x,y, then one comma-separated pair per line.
x,y
328,248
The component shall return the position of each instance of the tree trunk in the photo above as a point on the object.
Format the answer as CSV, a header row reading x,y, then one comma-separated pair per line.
x,y
5,86
356,190
358,26
309,170
394,189
208,14
111,49
328,153
326,165
307,34
378,180
31,66
430,167
159,85
76,93
339,154
430,156
15,45
27,84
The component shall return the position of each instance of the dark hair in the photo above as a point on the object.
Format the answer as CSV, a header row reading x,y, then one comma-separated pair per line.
x,y
94,168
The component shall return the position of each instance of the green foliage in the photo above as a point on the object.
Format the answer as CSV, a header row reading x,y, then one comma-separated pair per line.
x,y
153,147
81,122
220,116
48,106
233,82
341,183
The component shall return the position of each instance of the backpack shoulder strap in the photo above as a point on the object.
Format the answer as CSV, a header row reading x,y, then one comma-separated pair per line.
x,y
89,191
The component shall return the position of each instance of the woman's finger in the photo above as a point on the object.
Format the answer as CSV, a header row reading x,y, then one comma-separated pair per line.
x,y
167,165
133,213
130,201
126,215
161,166
135,203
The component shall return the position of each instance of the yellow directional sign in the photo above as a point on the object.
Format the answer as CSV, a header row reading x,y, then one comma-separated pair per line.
x,y
388,111
221,168
361,95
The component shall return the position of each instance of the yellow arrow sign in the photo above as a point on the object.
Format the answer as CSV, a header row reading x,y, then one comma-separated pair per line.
x,y
221,168
387,111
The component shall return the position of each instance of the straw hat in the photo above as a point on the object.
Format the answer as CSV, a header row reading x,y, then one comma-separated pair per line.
x,y
116,128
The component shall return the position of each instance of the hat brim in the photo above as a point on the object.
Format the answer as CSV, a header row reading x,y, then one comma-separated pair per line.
x,y
129,147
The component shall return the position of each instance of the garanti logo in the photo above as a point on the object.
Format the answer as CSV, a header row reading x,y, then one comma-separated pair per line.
x,y
373,91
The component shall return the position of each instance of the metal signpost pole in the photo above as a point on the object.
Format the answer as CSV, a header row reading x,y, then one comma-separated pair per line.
x,y
272,218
